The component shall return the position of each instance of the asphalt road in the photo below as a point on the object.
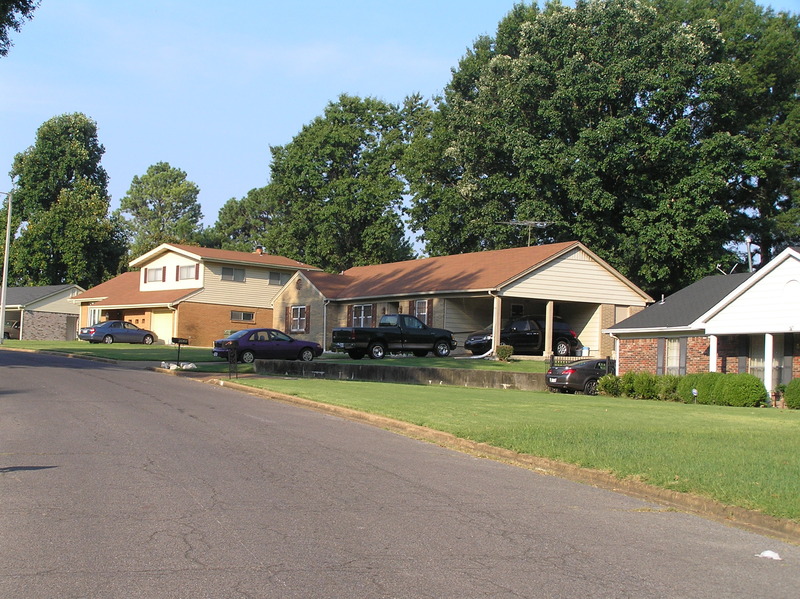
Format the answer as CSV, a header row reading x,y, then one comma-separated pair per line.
x,y
132,484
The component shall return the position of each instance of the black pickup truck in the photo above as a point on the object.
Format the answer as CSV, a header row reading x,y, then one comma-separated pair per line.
x,y
395,334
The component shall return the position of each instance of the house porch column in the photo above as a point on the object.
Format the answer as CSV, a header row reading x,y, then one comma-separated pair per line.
x,y
769,350
497,322
548,328
712,353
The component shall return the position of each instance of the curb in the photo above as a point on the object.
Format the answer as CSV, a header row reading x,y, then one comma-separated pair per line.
x,y
756,522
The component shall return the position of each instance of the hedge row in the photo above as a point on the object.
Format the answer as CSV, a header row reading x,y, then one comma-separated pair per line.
x,y
740,390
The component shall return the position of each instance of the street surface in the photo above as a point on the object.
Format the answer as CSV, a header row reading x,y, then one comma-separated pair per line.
x,y
123,483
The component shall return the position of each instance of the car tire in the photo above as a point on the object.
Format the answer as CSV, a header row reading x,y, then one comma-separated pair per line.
x,y
441,349
554,389
148,340
306,354
247,357
561,348
6,336
356,354
376,351
590,388
108,339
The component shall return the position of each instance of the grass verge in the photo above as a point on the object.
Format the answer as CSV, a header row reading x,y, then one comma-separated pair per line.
x,y
744,457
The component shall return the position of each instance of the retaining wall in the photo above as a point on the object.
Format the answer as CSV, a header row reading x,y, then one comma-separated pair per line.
x,y
369,371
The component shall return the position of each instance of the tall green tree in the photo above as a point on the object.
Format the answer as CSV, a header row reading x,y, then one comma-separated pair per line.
x,y
13,13
163,208
61,205
610,121
242,224
335,194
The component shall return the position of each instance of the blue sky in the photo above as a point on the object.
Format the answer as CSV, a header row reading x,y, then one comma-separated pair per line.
x,y
209,86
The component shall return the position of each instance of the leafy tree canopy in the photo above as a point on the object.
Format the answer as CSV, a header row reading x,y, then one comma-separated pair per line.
x,y
163,207
627,128
12,14
61,203
335,194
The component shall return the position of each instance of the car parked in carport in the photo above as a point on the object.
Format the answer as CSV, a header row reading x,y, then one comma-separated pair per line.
x,y
578,376
268,344
526,335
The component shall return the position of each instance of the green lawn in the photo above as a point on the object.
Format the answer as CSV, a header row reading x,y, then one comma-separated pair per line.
x,y
740,456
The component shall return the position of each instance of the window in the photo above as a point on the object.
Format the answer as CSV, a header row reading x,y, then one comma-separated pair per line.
x,y
190,271
362,315
299,319
278,278
421,310
243,316
673,357
154,275
232,274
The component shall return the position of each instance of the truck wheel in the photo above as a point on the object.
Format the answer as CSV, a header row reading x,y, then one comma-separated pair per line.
x,y
420,353
441,349
376,351
356,354
562,348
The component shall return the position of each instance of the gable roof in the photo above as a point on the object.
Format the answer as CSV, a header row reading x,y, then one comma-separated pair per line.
x,y
23,296
215,255
476,272
682,309
123,290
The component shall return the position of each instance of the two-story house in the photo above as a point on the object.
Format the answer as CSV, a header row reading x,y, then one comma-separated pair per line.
x,y
191,292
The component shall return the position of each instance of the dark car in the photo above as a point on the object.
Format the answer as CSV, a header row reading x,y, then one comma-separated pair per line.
x,y
269,344
526,335
578,376
116,331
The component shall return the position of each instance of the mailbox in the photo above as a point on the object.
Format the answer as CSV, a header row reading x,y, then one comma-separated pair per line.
x,y
180,341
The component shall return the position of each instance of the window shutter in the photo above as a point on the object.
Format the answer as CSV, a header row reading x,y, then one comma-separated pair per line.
x,y
349,316
661,347
411,308
197,272
145,275
430,313
178,272
374,315
164,274
288,319
308,319
682,342
744,352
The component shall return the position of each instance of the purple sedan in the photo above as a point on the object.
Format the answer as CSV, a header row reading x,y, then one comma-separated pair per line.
x,y
269,344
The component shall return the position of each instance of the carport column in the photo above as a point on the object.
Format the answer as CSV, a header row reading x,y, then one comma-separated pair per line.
x,y
769,349
712,353
548,328
497,322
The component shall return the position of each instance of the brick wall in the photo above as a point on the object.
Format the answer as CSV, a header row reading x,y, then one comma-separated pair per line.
x,y
49,326
638,355
201,324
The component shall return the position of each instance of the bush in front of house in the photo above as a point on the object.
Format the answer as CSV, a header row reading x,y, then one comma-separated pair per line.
x,y
741,390
645,386
686,385
792,394
504,352
667,387
609,385
626,382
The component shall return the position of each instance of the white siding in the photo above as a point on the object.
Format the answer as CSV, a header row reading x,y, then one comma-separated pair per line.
x,y
255,290
575,277
58,303
771,305
171,261
464,316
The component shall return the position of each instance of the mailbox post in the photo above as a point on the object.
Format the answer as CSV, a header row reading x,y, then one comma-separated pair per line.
x,y
232,345
180,341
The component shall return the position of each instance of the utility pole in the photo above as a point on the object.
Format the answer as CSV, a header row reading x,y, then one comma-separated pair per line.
x,y
5,268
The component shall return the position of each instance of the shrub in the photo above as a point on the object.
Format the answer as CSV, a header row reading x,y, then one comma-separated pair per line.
x,y
644,385
626,384
792,394
504,352
608,385
685,385
740,390
667,387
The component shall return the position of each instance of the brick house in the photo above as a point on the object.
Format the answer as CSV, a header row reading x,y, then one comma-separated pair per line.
x,y
736,323
191,292
44,313
466,292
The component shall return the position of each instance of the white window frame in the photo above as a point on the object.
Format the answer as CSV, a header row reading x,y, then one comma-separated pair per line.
x,y
229,273
155,275
278,278
362,315
421,314
299,316
672,356
187,272
240,316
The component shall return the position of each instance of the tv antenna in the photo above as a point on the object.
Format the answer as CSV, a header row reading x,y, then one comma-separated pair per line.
x,y
538,224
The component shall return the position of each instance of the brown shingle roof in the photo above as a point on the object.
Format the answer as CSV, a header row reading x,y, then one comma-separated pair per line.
x,y
228,256
478,271
123,290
